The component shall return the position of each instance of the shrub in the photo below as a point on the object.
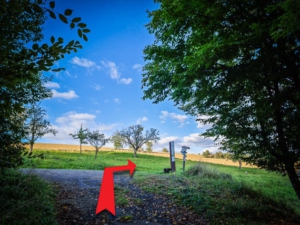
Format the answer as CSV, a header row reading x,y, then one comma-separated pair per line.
x,y
203,170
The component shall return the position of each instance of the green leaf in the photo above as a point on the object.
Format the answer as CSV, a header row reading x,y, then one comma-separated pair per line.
x,y
52,14
57,69
72,25
85,37
68,12
37,8
63,18
79,33
35,46
82,25
44,46
52,39
86,30
60,39
76,19
52,4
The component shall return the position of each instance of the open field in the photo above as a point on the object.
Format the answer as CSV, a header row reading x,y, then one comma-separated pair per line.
x,y
223,193
192,157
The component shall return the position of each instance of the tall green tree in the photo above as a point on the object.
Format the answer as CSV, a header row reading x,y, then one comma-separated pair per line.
x,y
236,62
23,58
136,139
81,135
35,124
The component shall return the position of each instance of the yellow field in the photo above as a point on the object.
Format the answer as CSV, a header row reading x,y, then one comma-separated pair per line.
x,y
192,157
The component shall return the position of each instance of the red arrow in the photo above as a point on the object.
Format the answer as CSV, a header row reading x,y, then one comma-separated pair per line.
x,y
106,198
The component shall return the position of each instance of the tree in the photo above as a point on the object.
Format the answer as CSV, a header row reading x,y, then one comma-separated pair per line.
x,y
23,58
81,135
165,150
135,138
206,154
149,145
97,140
118,141
237,64
219,155
35,124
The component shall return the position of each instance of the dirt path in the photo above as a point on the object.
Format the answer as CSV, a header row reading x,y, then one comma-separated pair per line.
x,y
78,196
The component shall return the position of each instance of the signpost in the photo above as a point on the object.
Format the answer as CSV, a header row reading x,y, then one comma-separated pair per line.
x,y
172,156
183,152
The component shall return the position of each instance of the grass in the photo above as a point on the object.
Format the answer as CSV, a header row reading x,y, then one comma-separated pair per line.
x,y
86,160
224,194
220,198
26,200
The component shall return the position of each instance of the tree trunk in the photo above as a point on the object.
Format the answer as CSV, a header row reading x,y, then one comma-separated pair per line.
x,y
290,169
80,148
96,153
240,164
31,147
134,153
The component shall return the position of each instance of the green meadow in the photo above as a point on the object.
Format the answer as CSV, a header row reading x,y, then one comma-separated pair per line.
x,y
223,194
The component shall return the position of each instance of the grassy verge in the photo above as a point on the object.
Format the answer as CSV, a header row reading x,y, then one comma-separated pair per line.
x,y
25,199
245,195
220,198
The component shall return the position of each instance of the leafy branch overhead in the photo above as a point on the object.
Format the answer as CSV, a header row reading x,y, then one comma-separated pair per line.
x,y
43,56
235,65
23,59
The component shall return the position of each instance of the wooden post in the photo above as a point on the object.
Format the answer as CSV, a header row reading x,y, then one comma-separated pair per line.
x,y
172,156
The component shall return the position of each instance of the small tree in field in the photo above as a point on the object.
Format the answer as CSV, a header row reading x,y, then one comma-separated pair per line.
x,y
206,154
118,141
81,135
35,124
165,150
97,140
149,145
135,138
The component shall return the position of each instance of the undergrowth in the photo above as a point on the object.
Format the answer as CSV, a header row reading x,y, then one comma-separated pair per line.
x,y
25,200
219,198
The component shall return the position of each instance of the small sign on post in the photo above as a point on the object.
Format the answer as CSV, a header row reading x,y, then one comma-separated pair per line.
x,y
183,152
172,156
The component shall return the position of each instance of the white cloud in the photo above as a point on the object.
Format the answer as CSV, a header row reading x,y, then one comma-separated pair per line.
x,y
71,122
173,116
83,62
105,127
65,95
201,125
117,100
97,87
114,73
198,143
164,143
50,84
137,67
140,120
113,70
126,80
67,73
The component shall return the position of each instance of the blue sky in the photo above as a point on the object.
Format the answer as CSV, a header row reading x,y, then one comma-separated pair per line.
x,y
101,86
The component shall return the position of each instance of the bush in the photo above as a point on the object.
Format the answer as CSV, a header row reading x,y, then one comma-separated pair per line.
x,y
26,199
203,170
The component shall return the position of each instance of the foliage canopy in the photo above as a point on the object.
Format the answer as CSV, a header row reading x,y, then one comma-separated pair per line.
x,y
23,58
236,63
